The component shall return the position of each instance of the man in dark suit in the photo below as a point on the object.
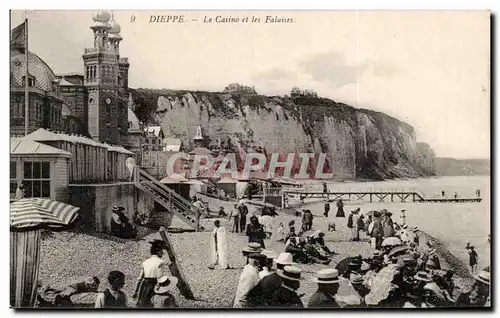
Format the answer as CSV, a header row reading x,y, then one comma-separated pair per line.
x,y
286,295
328,285
261,295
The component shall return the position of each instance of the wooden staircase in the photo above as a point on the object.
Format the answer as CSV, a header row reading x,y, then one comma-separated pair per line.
x,y
168,198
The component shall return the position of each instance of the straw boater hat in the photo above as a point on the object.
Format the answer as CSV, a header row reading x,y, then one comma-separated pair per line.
x,y
327,276
405,226
165,284
253,248
415,228
356,279
483,277
290,273
284,259
423,276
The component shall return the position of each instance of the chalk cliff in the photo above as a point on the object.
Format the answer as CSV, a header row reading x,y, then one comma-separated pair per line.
x,y
359,143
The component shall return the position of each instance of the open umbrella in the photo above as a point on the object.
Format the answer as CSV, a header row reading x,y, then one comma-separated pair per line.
x,y
27,218
391,241
33,212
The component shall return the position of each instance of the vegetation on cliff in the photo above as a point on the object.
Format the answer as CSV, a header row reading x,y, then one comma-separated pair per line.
x,y
371,144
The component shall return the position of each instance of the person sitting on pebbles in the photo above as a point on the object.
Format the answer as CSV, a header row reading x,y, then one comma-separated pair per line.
x,y
163,298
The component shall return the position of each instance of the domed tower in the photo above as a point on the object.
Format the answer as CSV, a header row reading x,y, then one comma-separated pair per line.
x,y
106,120
114,35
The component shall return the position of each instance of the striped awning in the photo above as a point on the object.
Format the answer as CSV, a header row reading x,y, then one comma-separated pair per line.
x,y
34,212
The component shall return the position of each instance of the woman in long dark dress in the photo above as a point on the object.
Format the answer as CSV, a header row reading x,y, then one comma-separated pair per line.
x,y
340,209
255,232
151,271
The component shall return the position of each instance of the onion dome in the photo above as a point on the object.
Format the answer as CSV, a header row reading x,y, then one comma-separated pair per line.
x,y
101,16
115,27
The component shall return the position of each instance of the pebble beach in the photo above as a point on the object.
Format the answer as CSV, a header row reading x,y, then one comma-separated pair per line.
x,y
67,257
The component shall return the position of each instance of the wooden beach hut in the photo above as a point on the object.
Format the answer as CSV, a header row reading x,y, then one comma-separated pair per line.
x,y
27,219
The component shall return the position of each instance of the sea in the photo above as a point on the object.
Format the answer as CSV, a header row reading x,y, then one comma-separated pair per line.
x,y
454,224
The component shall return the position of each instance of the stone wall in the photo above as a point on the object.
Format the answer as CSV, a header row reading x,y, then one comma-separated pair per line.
x,y
96,200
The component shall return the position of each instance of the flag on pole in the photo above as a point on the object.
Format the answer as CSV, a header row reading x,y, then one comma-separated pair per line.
x,y
18,36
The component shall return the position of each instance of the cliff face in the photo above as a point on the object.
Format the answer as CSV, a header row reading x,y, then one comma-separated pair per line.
x,y
462,167
359,143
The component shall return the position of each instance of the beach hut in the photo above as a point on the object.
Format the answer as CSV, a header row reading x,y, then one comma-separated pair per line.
x,y
228,185
178,184
27,219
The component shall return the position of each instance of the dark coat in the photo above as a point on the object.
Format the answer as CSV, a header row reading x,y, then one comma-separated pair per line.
x,y
285,298
322,300
261,295
255,233
377,230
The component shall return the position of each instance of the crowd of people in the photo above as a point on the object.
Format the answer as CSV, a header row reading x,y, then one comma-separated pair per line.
x,y
400,273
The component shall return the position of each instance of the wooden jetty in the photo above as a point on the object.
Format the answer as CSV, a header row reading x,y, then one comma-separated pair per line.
x,y
400,196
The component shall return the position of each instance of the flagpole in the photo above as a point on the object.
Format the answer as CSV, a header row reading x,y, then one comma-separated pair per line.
x,y
26,79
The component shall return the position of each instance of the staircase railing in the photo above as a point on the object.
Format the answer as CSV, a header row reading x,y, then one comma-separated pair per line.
x,y
174,199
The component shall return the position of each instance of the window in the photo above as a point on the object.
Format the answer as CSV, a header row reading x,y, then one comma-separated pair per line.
x,y
31,81
37,179
13,178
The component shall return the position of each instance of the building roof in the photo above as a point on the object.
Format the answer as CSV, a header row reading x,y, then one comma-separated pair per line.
x,y
172,144
64,82
36,67
132,118
20,146
154,129
45,135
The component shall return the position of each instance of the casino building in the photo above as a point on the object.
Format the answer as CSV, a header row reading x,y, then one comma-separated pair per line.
x,y
93,104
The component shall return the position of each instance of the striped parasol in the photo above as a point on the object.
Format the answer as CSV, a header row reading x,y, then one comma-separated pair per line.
x,y
34,212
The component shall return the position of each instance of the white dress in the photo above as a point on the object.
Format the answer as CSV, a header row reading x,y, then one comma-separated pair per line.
x,y
219,251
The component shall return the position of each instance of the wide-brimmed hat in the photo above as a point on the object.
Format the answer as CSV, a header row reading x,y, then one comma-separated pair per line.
x,y
423,276
356,210
115,208
327,276
376,214
405,226
414,229
483,277
356,279
165,284
383,211
253,248
157,243
290,273
284,259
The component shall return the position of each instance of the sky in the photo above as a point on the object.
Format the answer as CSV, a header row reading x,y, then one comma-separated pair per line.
x,y
430,69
